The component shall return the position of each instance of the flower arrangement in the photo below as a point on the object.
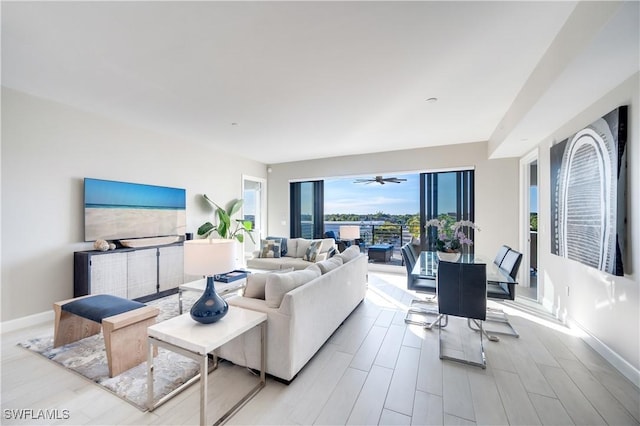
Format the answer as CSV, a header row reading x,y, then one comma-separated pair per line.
x,y
452,237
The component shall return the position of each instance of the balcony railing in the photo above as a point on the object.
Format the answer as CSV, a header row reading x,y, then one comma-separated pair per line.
x,y
371,234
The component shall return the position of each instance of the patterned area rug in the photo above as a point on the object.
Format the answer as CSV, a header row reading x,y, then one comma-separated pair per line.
x,y
88,358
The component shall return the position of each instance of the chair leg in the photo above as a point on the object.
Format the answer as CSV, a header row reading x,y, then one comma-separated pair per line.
x,y
69,328
482,330
432,300
409,318
499,316
482,364
422,307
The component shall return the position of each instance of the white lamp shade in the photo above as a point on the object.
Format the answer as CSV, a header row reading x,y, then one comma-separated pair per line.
x,y
209,257
349,232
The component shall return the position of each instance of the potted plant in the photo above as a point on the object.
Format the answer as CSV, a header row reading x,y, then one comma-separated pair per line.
x,y
226,228
451,237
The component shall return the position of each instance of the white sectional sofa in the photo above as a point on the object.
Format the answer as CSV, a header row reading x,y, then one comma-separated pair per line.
x,y
295,255
303,309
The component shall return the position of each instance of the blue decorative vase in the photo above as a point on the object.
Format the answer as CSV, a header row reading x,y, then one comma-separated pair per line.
x,y
210,307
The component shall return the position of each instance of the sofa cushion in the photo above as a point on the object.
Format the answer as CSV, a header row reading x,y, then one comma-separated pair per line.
x,y
280,284
257,282
349,254
329,264
283,244
292,247
269,249
312,252
314,267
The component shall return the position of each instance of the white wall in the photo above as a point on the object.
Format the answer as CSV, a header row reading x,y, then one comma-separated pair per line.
x,y
47,150
605,306
496,185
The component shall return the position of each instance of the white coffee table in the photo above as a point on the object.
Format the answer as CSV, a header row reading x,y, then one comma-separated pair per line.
x,y
223,290
187,337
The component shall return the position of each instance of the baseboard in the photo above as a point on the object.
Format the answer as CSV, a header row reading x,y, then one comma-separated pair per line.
x,y
619,363
24,322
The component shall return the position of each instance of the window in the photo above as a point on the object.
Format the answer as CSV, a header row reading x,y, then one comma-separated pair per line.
x,y
307,209
445,194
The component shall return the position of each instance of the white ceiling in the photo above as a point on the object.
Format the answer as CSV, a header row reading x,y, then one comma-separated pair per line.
x,y
286,81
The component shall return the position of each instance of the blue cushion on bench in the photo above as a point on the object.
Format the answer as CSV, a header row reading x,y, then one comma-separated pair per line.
x,y
381,247
100,306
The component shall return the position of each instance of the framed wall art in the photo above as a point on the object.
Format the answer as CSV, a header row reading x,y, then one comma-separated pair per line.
x,y
588,187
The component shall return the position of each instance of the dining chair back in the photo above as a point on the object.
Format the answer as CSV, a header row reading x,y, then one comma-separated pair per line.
x,y
511,263
502,252
462,289
462,292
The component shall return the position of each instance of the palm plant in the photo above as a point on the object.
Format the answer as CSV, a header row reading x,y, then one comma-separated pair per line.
x,y
226,228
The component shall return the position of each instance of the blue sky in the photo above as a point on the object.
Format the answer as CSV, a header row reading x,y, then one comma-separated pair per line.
x,y
344,196
111,193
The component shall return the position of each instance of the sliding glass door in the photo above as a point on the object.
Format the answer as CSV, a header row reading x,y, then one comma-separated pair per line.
x,y
307,209
445,195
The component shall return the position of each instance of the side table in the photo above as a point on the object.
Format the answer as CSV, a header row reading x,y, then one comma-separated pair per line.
x,y
187,337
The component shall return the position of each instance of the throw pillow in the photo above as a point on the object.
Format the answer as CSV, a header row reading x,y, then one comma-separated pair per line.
x,y
312,252
349,254
255,286
257,282
329,264
269,249
283,244
280,284
303,245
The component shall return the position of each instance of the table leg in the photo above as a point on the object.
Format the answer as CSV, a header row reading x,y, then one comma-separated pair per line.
x,y
179,301
204,374
150,374
263,352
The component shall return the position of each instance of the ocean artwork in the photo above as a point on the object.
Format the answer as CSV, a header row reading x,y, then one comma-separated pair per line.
x,y
588,184
121,210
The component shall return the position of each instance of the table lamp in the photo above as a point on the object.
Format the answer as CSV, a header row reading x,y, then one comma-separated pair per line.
x,y
208,258
349,232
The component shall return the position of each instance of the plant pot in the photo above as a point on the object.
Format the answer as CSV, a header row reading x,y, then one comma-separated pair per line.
x,y
449,256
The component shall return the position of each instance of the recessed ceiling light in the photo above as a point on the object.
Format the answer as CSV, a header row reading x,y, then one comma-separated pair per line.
x,y
431,100
234,124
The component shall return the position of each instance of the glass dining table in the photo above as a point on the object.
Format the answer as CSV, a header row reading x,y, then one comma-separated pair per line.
x,y
426,267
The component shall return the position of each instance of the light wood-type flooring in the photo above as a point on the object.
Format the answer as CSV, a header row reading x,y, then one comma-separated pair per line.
x,y
373,370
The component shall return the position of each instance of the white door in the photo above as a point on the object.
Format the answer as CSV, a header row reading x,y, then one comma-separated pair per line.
x,y
254,194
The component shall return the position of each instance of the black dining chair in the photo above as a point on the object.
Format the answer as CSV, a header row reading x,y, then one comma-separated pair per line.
x,y
510,264
502,252
419,308
462,292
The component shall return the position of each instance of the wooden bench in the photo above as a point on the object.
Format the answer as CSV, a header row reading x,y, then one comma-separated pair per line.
x,y
124,325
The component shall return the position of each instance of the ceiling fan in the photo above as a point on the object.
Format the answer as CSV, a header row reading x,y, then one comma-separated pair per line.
x,y
379,179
